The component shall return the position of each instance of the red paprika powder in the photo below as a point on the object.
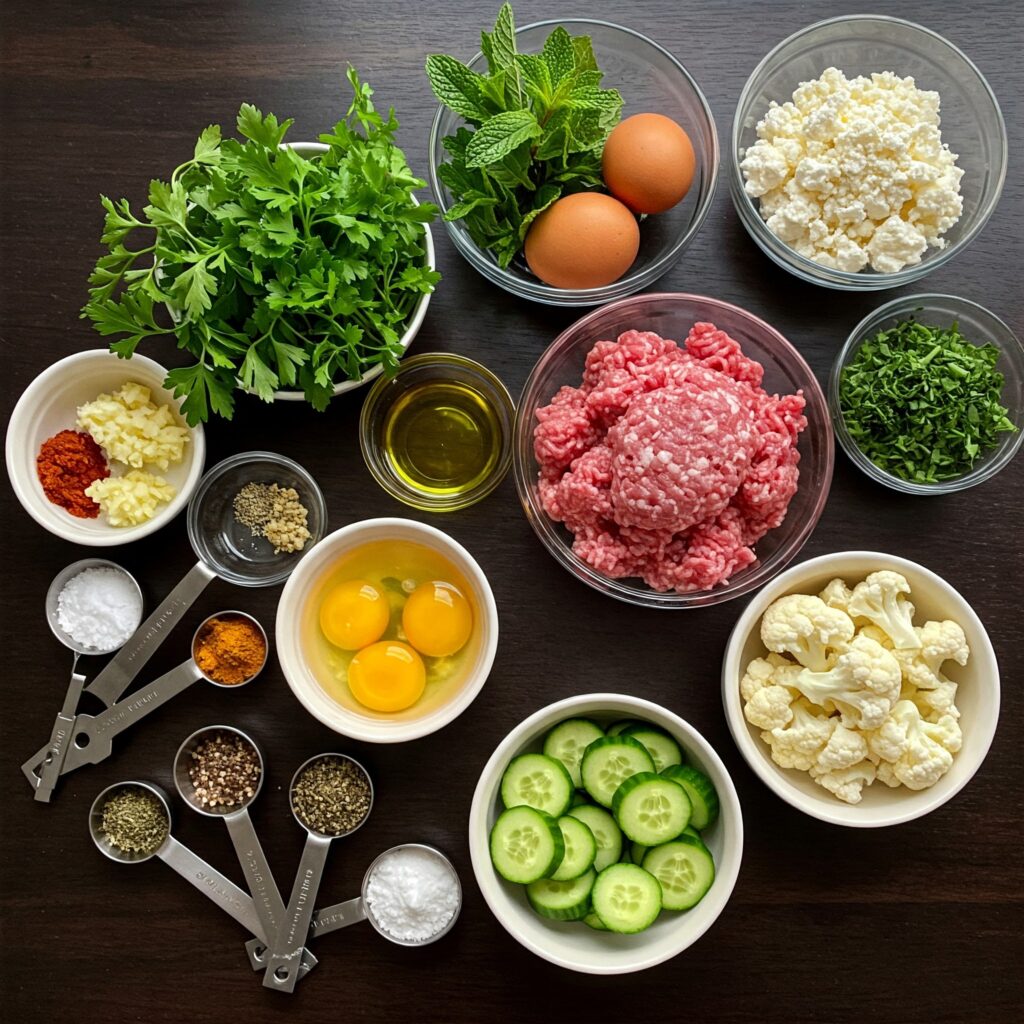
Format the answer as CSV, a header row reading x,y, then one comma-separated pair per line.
x,y
67,463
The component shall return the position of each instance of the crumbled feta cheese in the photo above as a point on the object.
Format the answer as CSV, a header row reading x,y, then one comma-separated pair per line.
x,y
854,173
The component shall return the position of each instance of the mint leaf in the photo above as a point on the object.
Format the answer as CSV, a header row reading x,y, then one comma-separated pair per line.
x,y
456,86
559,55
499,135
499,47
536,77
583,51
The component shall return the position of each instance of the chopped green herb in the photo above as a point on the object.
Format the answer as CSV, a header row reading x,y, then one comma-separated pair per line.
x,y
539,126
923,403
282,271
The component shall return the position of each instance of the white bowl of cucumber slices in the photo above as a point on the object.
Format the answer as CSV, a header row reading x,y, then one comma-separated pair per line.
x,y
605,834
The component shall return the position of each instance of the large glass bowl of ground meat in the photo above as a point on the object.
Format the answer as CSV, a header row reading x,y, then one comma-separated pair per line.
x,y
672,450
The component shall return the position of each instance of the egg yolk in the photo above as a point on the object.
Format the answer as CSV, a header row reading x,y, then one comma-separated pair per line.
x,y
437,619
387,676
354,614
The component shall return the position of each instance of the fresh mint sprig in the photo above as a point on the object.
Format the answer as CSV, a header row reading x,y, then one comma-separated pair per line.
x,y
271,269
537,125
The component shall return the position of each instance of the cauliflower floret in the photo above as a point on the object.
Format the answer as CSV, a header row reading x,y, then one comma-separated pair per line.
x,y
863,684
767,701
938,642
807,628
847,783
884,773
920,752
880,599
845,748
938,701
800,742
837,595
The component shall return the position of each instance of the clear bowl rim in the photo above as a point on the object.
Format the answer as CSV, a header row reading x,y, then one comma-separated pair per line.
x,y
414,499
807,269
629,283
547,531
908,304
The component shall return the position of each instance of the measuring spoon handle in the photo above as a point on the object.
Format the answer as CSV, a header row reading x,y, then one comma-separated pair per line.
x,y
122,669
43,772
286,949
212,884
341,915
258,876
100,730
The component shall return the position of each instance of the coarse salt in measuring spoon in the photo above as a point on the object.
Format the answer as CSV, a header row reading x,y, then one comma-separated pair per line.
x,y
412,894
99,608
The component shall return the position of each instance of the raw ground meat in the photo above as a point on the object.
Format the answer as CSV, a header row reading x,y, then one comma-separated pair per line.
x,y
668,463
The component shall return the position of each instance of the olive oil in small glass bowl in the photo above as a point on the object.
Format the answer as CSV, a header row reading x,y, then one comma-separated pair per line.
x,y
438,435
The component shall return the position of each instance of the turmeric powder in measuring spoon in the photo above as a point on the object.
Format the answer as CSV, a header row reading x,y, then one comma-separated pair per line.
x,y
230,649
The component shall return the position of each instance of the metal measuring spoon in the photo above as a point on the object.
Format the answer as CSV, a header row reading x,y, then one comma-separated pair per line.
x,y
290,938
208,880
341,915
222,552
94,734
258,876
42,776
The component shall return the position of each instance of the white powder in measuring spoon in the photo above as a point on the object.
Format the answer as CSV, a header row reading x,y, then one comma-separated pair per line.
x,y
99,608
412,894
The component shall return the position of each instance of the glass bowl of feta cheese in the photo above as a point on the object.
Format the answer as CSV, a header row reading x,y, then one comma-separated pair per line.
x,y
867,151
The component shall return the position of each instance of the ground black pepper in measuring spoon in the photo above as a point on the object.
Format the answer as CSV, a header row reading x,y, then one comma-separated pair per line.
x,y
332,796
225,771
135,821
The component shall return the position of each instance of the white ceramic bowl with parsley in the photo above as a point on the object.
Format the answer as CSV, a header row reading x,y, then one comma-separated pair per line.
x,y
977,696
978,326
571,944
309,149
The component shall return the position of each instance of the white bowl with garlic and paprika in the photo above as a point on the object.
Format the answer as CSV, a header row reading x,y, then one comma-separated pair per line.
x,y
132,441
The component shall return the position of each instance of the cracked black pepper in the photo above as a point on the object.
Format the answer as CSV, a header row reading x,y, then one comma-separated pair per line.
x,y
225,771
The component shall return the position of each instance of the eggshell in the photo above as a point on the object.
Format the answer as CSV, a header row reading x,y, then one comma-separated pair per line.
x,y
648,163
585,240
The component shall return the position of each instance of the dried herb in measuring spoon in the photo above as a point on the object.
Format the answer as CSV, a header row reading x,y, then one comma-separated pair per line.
x,y
923,403
332,796
135,821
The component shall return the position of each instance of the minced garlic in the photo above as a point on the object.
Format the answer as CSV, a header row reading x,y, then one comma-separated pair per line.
x,y
133,429
130,499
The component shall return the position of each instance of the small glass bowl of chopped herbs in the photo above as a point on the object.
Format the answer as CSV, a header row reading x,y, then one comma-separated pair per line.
x,y
927,394
648,78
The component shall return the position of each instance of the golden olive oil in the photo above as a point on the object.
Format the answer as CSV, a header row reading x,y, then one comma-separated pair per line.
x,y
442,438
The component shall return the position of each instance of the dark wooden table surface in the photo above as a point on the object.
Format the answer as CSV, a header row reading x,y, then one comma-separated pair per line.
x,y
917,923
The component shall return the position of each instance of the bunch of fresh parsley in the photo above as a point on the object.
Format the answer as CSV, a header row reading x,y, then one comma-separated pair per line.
x,y
271,269
539,126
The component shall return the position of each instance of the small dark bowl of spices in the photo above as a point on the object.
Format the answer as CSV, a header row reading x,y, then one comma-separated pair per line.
x,y
230,648
130,821
331,795
218,770
253,517
927,394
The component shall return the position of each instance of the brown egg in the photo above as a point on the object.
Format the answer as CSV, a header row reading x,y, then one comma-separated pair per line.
x,y
648,163
585,240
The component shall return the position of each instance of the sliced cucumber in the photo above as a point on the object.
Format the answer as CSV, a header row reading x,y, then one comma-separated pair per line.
x,y
567,741
651,809
685,871
663,749
607,834
580,849
579,797
701,791
626,898
621,726
608,762
562,901
593,921
692,834
637,852
537,781
526,845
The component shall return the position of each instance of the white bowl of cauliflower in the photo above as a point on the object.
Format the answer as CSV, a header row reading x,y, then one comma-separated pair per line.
x,y
862,688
